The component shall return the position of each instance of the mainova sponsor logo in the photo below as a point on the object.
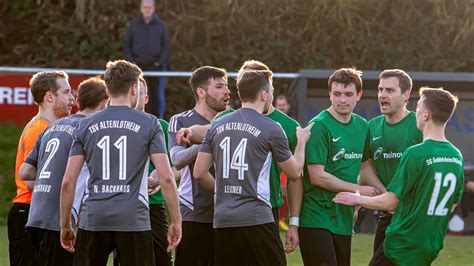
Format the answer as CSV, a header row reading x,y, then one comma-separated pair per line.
x,y
348,156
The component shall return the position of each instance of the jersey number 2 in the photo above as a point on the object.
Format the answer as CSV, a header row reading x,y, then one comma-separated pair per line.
x,y
238,158
51,147
121,145
441,210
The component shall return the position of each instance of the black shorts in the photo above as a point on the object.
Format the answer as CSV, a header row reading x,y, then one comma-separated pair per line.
x,y
20,245
48,249
133,248
196,246
321,247
379,258
159,231
251,245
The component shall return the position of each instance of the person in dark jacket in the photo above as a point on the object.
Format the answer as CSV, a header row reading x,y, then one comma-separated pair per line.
x,y
147,44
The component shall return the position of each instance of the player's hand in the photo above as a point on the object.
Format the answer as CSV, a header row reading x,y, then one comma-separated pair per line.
x,y
347,198
368,191
153,181
174,236
183,136
470,186
152,191
68,239
303,133
292,239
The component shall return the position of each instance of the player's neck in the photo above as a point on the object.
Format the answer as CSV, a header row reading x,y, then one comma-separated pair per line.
x,y
339,117
397,116
47,113
205,111
270,110
434,132
120,101
256,106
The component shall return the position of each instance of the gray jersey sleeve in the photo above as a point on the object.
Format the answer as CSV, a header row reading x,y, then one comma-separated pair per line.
x,y
77,147
181,155
279,144
206,144
157,143
32,158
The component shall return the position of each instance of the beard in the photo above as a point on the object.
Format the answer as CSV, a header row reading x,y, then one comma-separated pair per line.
x,y
215,104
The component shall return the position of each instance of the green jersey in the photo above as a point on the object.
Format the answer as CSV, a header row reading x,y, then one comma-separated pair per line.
x,y
340,148
289,126
226,112
157,198
387,142
428,182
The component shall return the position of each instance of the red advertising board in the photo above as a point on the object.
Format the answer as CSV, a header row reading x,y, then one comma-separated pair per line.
x,y
16,102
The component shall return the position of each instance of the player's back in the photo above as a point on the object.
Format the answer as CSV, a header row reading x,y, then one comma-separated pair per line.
x,y
243,144
48,156
432,183
116,143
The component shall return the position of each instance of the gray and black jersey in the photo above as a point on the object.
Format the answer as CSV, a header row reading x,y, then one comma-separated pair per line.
x,y
242,145
49,156
116,143
196,203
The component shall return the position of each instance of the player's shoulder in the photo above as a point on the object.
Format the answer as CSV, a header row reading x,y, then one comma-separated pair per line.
x,y
359,119
283,119
36,125
377,120
182,116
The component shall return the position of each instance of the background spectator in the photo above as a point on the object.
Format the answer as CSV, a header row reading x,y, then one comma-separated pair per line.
x,y
282,104
147,44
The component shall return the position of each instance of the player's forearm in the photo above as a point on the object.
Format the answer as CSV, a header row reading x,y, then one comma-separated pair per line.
x,y
170,194
368,177
206,180
300,155
27,172
330,182
384,202
181,156
198,133
295,196
66,201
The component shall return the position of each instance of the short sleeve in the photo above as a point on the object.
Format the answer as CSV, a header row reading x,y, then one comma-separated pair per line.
x,y
174,126
279,144
157,139
459,189
77,147
292,139
206,144
32,158
30,138
317,147
405,177
164,125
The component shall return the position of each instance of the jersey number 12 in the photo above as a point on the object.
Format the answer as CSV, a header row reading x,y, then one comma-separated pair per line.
x,y
441,210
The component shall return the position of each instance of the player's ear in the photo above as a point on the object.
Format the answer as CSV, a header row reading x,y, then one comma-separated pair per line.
x,y
406,95
201,92
134,90
146,99
359,95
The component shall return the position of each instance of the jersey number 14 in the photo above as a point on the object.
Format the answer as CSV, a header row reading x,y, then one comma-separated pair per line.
x,y
238,158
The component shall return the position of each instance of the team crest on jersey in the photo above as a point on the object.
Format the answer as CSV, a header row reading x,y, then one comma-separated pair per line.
x,y
378,152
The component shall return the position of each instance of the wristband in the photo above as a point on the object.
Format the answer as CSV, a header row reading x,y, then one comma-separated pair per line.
x,y
295,221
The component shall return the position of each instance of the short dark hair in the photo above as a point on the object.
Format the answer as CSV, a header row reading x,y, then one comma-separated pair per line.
x,y
347,76
120,75
252,82
439,102
253,65
91,92
200,77
404,79
142,80
43,82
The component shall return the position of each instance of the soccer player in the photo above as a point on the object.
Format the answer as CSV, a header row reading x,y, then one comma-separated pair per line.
x,y
209,85
52,93
48,157
334,154
241,146
390,134
425,188
116,144
158,222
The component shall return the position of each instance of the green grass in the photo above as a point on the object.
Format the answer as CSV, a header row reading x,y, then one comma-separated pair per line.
x,y
458,250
